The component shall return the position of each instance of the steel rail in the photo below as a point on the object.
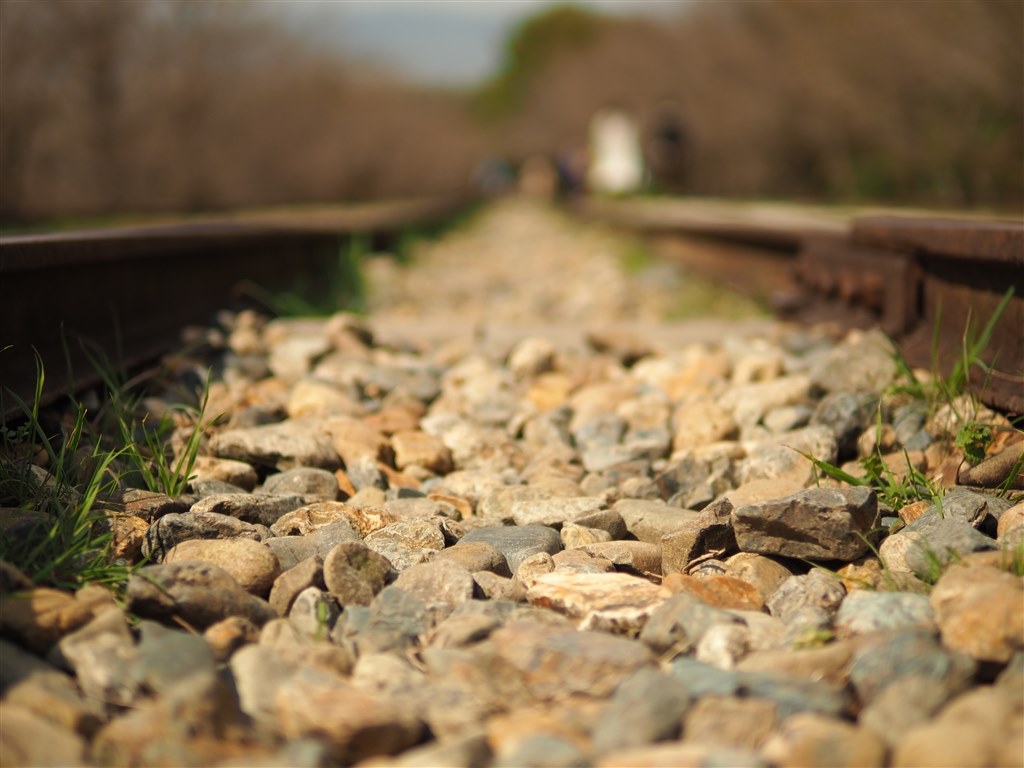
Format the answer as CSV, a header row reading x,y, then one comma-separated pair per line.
x,y
131,290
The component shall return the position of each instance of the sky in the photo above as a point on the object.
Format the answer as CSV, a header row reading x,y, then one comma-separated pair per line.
x,y
437,42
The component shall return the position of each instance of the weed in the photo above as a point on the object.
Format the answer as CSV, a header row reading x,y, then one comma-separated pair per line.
x,y
973,438
892,490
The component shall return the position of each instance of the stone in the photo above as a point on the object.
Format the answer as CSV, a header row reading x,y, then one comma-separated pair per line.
x,y
607,520
249,507
407,542
229,635
675,754
259,672
863,612
573,535
709,531
544,751
394,621
288,585
354,573
237,473
731,721
39,617
645,708
149,505
253,565
299,645
938,543
847,414
557,662
553,512
495,587
353,439
313,397
441,585
680,622
311,483
698,423
516,543
637,557
165,656
291,443
413,447
651,520
314,613
309,518
615,602
1010,519
719,590
100,654
532,356
829,663
173,529
474,556
199,593
30,739
759,570
898,709
978,610
812,739
815,589
816,524
904,654
863,362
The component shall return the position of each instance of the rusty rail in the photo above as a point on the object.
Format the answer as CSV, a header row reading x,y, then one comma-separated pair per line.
x,y
903,273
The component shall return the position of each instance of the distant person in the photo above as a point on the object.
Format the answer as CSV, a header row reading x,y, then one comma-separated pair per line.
x,y
668,150
616,161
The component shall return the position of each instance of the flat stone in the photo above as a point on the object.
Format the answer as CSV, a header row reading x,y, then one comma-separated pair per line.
x,y
166,656
312,483
354,573
306,519
292,443
558,662
938,543
39,617
978,610
253,565
607,520
440,584
819,523
615,602
719,590
553,512
863,612
248,507
149,505
516,543
652,520
200,593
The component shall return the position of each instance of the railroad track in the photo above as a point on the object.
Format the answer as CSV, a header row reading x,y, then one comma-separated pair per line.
x,y
921,278
132,290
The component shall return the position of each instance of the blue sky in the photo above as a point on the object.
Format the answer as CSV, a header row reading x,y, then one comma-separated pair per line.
x,y
439,42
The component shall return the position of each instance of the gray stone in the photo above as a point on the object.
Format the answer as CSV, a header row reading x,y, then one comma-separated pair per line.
x,y
259,671
292,443
420,506
206,488
863,612
679,623
149,505
312,483
864,362
165,656
817,524
408,542
650,520
605,520
897,709
847,414
199,593
647,707
543,751
905,654
637,557
172,529
787,418
354,573
249,507
441,585
100,653
311,517
556,661
941,542
393,622
516,543
495,587
553,512
475,556
816,589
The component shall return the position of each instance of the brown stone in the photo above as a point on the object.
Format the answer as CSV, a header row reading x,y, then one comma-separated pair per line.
x,y
615,601
730,721
252,563
811,739
718,590
978,610
41,616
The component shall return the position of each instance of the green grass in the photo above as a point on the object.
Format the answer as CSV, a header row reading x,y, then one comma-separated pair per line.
x,y
61,471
